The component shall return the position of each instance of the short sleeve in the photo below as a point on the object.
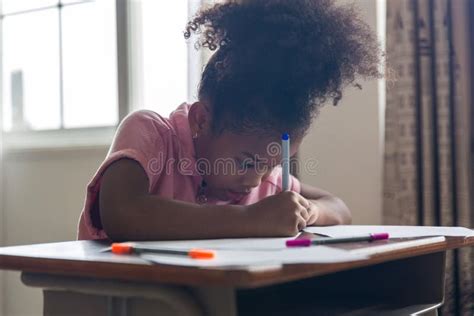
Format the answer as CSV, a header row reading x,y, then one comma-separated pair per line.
x,y
139,137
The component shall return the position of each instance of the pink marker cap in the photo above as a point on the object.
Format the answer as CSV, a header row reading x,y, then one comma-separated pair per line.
x,y
303,242
379,236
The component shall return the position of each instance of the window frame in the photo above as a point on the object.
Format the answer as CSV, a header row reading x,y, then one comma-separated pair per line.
x,y
129,74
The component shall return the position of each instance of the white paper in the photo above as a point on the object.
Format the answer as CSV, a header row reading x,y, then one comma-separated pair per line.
x,y
226,244
249,253
384,248
254,258
393,231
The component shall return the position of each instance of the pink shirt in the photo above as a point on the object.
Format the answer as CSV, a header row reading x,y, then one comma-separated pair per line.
x,y
154,141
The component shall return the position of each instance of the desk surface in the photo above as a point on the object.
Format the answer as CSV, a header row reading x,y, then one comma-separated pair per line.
x,y
84,259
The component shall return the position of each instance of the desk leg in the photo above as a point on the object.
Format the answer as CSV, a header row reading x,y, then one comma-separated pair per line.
x,y
117,306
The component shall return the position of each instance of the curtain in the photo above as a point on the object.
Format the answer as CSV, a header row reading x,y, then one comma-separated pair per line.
x,y
428,161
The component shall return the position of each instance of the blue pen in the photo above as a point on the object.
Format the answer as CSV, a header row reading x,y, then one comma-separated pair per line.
x,y
285,162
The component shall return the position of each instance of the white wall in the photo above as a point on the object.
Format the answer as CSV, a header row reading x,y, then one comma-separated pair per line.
x,y
345,142
43,196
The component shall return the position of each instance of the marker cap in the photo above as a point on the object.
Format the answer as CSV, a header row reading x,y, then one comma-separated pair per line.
x,y
303,242
379,236
120,248
201,254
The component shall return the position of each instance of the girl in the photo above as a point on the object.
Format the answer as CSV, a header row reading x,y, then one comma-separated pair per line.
x,y
207,171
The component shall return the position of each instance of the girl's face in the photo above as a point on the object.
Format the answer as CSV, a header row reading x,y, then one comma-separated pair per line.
x,y
233,164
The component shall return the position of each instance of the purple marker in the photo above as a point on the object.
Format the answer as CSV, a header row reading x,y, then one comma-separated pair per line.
x,y
304,242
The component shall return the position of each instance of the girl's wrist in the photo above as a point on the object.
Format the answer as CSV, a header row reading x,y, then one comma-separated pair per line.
x,y
249,221
256,225
315,213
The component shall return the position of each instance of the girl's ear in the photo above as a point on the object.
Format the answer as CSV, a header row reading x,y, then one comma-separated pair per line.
x,y
199,118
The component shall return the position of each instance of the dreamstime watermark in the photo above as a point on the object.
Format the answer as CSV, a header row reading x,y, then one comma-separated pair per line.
x,y
261,165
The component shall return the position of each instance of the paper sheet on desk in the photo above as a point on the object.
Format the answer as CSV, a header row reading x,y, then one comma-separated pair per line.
x,y
261,244
249,252
393,231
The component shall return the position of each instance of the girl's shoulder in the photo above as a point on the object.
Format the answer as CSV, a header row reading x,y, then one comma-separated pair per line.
x,y
151,132
146,120
151,121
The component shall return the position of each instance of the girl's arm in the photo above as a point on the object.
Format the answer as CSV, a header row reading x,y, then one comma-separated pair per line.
x,y
326,209
129,212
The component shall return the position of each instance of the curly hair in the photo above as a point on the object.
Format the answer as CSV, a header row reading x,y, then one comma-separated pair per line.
x,y
277,61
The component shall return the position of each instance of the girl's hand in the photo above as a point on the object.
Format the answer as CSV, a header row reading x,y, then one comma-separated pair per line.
x,y
283,214
313,212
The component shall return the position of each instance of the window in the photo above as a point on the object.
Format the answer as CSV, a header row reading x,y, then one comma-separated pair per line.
x,y
59,65
71,70
165,67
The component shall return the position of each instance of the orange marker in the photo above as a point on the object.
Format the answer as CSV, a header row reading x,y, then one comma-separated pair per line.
x,y
124,248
